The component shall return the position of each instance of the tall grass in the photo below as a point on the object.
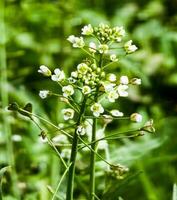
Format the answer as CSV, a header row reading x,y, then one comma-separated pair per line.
x,y
4,98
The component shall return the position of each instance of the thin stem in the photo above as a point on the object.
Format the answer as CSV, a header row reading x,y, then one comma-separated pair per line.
x,y
70,185
56,150
96,197
69,99
88,53
111,137
92,161
93,145
52,192
103,117
95,153
45,120
58,186
113,62
4,98
51,143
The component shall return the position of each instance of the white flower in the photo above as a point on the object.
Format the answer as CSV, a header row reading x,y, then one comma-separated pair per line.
x,y
92,47
136,81
116,113
135,117
81,130
43,93
78,42
112,96
120,30
124,80
97,109
113,58
68,90
68,113
122,90
59,75
74,74
86,89
87,30
111,77
129,48
103,48
44,70
82,68
71,80
71,38
108,86
119,33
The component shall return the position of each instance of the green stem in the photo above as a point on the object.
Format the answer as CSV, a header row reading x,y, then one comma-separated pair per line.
x,y
92,161
45,120
4,98
65,172
93,145
112,136
94,152
70,185
56,150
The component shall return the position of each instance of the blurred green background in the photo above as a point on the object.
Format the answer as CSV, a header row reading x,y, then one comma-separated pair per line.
x,y
34,33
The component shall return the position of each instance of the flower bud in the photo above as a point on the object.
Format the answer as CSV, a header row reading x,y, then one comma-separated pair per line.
x,y
135,117
135,81
116,113
124,80
68,113
111,77
44,70
129,48
103,48
43,93
86,89
87,30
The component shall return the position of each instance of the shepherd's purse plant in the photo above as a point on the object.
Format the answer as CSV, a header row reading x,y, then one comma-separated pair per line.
x,y
86,93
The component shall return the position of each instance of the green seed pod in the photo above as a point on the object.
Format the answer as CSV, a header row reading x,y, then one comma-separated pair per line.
x,y
13,106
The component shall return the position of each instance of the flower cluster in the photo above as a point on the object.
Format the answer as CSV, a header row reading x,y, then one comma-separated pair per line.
x,y
91,77
105,36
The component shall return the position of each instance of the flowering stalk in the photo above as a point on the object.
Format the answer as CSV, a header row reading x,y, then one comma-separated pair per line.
x,y
70,185
93,145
